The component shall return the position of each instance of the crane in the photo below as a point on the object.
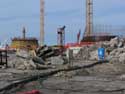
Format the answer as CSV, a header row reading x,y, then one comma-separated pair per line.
x,y
89,18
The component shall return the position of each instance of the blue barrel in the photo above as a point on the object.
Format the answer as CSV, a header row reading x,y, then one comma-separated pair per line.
x,y
101,53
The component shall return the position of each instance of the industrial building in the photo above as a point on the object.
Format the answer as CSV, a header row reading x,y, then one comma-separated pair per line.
x,y
24,42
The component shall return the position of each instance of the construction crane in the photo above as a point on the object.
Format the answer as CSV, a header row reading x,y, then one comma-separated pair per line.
x,y
89,18
61,38
41,22
89,36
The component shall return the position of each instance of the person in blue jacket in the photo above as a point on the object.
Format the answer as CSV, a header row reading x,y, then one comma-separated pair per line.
x,y
101,53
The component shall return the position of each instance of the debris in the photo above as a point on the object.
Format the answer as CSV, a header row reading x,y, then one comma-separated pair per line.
x,y
122,77
93,55
38,60
23,53
122,57
30,60
114,42
57,60
48,54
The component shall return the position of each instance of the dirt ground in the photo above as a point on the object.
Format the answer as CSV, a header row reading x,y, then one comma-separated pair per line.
x,y
106,78
58,84
76,85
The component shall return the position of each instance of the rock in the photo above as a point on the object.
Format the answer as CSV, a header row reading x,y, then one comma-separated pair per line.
x,y
57,60
122,77
21,67
106,44
23,54
84,53
43,51
94,55
38,60
22,64
122,58
117,51
33,64
48,55
16,62
114,42
40,48
28,65
112,53
121,43
46,52
113,60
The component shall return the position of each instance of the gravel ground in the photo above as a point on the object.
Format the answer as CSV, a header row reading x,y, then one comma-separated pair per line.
x,y
79,85
100,79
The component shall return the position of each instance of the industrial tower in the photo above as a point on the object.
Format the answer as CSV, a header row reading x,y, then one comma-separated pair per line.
x,y
41,22
89,18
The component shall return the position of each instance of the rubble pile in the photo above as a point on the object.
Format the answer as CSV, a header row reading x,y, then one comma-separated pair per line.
x,y
44,57
39,59
22,60
114,53
49,56
114,49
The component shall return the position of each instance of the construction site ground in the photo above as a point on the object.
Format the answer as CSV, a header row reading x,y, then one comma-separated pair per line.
x,y
52,74
63,82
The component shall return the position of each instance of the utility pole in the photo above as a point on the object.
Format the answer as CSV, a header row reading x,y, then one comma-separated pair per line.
x,y
89,17
41,22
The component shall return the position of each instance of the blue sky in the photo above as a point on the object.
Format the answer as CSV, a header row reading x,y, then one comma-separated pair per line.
x,y
14,14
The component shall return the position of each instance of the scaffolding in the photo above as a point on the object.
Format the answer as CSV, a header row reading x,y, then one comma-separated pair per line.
x,y
89,18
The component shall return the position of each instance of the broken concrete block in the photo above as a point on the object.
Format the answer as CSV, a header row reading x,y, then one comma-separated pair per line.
x,y
94,55
114,42
23,54
38,60
122,58
57,60
21,67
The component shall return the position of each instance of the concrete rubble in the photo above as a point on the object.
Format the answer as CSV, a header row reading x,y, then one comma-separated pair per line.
x,y
114,53
114,48
45,56
39,59
93,78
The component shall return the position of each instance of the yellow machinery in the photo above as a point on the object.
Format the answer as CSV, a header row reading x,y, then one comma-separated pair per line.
x,y
18,43
24,43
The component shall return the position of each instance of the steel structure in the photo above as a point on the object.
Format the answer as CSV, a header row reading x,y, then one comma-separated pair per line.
x,y
89,18
61,36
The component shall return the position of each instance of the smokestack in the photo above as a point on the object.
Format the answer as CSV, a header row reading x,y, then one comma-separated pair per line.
x,y
89,17
41,22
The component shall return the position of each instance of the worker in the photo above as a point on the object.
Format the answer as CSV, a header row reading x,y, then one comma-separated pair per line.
x,y
101,52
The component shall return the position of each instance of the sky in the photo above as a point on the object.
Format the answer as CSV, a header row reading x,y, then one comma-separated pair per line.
x,y
14,14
